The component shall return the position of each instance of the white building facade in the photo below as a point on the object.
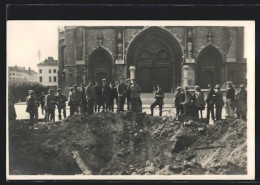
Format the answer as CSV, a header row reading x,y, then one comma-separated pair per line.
x,y
47,71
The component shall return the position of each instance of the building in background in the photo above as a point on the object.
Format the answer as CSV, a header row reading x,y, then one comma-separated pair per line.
x,y
170,55
48,70
20,74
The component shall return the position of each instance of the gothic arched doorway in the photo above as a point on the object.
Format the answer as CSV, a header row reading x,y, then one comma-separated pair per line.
x,y
100,65
157,56
209,62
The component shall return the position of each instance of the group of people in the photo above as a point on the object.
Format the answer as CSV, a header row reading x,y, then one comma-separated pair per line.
x,y
92,98
191,104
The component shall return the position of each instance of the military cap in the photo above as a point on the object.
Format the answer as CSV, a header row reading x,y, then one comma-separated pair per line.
x,y
242,85
103,80
186,88
59,89
178,88
217,86
71,88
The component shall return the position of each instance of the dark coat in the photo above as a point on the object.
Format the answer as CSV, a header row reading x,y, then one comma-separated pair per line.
x,y
61,100
106,90
179,98
90,92
30,105
50,102
97,91
159,96
122,89
210,97
219,102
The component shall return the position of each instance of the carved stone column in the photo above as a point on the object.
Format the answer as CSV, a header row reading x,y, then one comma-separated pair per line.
x,y
132,72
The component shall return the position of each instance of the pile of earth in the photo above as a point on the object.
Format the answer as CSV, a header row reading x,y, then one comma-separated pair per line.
x,y
128,144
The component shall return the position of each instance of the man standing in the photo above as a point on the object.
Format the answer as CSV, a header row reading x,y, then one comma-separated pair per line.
x,y
112,97
219,102
90,96
97,96
61,103
83,102
179,98
128,98
50,103
70,102
188,102
135,91
230,99
105,95
115,92
75,99
241,102
159,96
30,107
41,101
122,91
210,102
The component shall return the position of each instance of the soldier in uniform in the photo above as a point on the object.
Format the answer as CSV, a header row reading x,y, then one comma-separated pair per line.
x,y
83,102
188,102
230,99
105,94
97,97
135,91
61,103
241,102
219,102
159,96
41,101
115,93
112,97
210,102
90,97
30,107
75,99
199,102
179,97
122,92
128,97
50,105
70,102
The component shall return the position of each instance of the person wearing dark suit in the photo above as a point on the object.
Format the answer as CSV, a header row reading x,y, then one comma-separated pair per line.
x,y
105,95
219,102
210,102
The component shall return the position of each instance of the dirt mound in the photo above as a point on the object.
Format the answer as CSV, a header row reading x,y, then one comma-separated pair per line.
x,y
128,143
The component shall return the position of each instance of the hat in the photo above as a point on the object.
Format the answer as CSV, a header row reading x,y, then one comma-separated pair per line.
x,y
103,80
217,86
59,89
71,88
242,85
75,85
178,88
186,88
229,82
30,91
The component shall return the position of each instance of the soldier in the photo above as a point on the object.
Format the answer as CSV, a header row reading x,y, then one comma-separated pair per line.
x,y
159,96
128,98
188,102
230,100
116,95
75,99
179,98
90,97
219,102
31,106
113,95
210,102
241,102
122,92
41,101
83,102
105,95
70,102
61,103
135,91
199,102
97,97
50,104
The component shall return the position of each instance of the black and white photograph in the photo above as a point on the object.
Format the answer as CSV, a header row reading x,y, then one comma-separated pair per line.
x,y
127,100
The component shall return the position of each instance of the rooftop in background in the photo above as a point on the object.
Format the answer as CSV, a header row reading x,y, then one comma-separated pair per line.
x,y
22,70
49,62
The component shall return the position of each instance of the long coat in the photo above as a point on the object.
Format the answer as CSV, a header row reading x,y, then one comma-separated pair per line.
x,y
219,102
199,100
241,102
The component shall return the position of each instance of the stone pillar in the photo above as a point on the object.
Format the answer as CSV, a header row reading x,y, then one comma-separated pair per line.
x,y
185,75
132,72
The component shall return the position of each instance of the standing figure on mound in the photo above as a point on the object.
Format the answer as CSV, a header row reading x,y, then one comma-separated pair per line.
x,y
179,98
210,102
31,107
105,95
230,100
50,104
90,97
188,102
75,99
128,97
199,102
115,92
135,91
70,101
159,96
61,103
241,103
83,102
219,102
122,92
41,101
97,96
112,96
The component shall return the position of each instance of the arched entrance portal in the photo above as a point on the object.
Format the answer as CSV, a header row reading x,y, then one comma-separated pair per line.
x,y
210,62
157,56
100,65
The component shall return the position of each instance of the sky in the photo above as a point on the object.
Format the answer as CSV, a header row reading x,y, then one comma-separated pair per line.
x,y
26,38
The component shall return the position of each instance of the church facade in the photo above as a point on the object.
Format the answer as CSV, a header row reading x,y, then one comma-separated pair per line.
x,y
170,56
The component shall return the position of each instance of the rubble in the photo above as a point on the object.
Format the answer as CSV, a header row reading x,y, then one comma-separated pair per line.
x,y
128,144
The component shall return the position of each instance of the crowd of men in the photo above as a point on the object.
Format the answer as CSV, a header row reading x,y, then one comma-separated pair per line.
x,y
93,98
